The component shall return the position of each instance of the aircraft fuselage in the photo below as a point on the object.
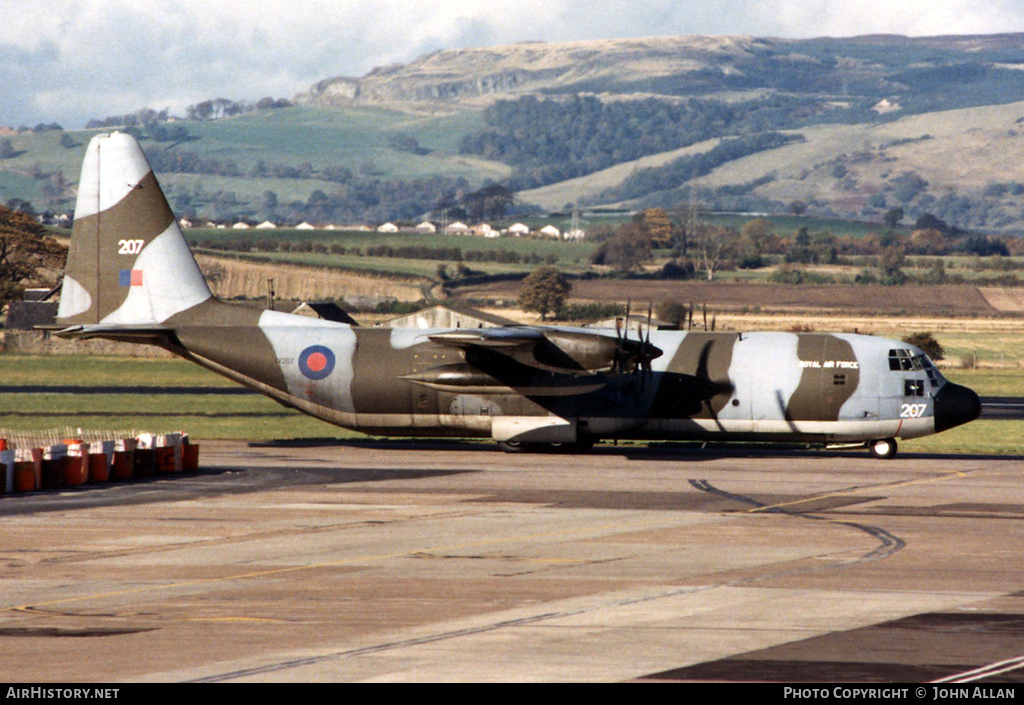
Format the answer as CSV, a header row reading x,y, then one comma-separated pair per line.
x,y
731,386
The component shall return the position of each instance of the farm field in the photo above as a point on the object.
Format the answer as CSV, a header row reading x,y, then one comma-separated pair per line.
x,y
948,302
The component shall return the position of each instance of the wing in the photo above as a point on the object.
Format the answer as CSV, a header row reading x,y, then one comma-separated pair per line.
x,y
532,361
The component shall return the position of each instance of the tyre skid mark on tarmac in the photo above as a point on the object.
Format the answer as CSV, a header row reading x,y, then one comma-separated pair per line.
x,y
889,543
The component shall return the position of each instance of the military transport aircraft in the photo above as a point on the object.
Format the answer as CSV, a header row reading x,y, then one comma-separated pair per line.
x,y
130,276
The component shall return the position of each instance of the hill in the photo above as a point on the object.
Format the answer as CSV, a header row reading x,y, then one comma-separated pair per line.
x,y
848,127
882,120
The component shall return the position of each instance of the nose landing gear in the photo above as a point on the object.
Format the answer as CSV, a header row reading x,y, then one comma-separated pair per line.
x,y
883,448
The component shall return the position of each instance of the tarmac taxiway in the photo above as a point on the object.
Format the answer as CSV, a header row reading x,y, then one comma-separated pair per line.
x,y
423,561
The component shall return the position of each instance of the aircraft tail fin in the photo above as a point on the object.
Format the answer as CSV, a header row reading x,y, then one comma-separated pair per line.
x,y
128,264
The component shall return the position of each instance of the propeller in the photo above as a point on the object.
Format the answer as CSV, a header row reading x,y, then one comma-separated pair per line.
x,y
634,355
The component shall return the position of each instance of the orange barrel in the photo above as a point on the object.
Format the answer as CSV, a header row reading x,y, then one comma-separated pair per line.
x,y
168,452
99,462
163,460
7,464
101,454
25,476
76,464
190,457
123,462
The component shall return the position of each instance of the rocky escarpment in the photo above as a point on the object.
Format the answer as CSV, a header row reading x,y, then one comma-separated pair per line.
x,y
596,66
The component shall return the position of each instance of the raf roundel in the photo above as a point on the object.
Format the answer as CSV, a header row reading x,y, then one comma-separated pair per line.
x,y
316,362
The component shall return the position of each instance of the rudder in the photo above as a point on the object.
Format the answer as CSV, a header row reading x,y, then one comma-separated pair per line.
x,y
128,262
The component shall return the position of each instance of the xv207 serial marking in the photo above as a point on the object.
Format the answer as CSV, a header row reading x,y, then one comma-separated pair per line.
x,y
130,276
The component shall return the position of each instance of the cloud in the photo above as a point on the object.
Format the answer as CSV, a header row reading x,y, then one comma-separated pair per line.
x,y
69,60
817,18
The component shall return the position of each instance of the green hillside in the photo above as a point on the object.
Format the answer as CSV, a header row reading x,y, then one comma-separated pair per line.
x,y
360,140
833,127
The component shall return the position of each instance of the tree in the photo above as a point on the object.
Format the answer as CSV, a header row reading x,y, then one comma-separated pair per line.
x,y
491,201
27,255
892,217
544,291
656,226
713,245
628,250
755,238
891,263
928,343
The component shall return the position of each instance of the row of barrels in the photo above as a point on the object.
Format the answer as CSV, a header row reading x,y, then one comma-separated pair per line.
x,y
76,462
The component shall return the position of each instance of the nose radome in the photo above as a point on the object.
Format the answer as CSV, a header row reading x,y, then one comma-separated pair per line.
x,y
955,405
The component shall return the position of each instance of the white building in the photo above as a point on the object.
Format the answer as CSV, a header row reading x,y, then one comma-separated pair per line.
x,y
426,227
266,225
551,231
388,228
519,230
457,228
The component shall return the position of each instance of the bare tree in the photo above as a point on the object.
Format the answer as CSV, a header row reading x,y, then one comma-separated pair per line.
x,y
28,256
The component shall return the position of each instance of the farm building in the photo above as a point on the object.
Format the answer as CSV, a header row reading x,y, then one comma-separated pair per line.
x,y
448,317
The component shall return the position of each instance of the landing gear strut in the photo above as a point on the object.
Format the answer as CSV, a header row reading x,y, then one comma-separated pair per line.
x,y
883,448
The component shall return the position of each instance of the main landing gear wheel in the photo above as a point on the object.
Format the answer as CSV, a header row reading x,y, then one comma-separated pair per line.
x,y
883,448
581,446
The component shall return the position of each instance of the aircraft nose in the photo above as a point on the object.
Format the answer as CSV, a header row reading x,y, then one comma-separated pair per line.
x,y
955,405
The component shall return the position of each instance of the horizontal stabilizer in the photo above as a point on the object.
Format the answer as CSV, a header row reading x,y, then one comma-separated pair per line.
x,y
141,333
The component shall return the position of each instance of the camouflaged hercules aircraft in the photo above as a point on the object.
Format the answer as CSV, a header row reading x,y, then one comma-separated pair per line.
x,y
130,276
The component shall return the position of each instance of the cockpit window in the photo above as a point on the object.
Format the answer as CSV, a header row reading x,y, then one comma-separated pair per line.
x,y
913,387
904,360
901,360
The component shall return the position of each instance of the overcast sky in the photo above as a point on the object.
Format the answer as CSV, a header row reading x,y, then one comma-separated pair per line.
x,y
67,61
